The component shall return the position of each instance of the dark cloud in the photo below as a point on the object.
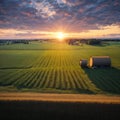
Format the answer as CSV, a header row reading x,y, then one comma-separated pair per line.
x,y
77,15
29,34
112,36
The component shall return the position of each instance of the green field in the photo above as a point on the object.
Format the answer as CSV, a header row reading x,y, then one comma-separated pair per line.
x,y
54,68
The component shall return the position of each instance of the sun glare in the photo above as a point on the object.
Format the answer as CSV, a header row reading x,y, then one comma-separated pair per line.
x,y
60,36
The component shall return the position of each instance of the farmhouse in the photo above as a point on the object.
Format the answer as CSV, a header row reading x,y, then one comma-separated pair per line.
x,y
83,63
100,61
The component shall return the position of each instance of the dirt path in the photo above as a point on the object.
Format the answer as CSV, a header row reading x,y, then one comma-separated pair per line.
x,y
60,97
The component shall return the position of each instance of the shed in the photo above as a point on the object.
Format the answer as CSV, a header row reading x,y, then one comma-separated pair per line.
x,y
83,63
100,61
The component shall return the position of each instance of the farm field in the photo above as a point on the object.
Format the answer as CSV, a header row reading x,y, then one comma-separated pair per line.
x,y
54,68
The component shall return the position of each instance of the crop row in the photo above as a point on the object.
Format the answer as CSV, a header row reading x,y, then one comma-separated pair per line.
x,y
60,71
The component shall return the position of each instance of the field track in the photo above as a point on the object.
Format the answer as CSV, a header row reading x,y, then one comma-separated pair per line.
x,y
60,98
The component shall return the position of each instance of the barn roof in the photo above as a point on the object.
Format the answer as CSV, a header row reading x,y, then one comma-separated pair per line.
x,y
100,56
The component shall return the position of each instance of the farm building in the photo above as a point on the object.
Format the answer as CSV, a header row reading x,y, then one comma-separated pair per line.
x,y
83,63
100,61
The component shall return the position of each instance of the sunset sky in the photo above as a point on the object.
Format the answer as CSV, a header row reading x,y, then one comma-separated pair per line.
x,y
31,19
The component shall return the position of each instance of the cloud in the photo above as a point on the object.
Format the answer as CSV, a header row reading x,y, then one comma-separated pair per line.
x,y
70,15
61,1
112,36
44,8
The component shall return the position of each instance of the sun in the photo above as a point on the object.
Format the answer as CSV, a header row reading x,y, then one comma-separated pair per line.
x,y
60,36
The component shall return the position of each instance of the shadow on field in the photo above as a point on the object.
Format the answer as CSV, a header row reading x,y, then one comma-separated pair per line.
x,y
84,91
4,68
106,79
34,110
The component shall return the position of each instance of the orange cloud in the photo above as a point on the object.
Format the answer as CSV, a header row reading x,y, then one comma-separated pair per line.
x,y
103,31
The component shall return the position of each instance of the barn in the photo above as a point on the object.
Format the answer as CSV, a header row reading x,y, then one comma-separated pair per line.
x,y
100,61
83,63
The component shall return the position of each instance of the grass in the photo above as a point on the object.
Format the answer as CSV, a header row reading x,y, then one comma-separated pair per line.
x,y
54,67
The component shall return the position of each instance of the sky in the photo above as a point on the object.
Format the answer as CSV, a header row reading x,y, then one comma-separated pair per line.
x,y
31,19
